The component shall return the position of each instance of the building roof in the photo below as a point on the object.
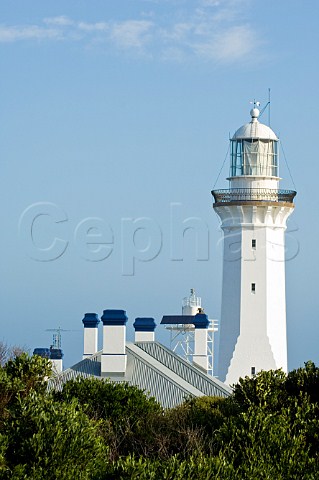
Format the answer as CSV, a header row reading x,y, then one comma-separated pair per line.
x,y
255,130
153,368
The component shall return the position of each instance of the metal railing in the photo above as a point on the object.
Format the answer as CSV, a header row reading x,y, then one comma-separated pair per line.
x,y
253,195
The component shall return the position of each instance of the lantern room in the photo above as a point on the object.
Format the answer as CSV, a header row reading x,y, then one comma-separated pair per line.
x,y
254,150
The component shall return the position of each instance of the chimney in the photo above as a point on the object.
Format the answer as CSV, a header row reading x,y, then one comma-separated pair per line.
x,y
90,322
56,356
200,357
113,359
144,329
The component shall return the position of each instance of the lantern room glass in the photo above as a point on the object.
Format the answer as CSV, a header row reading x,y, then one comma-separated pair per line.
x,y
254,157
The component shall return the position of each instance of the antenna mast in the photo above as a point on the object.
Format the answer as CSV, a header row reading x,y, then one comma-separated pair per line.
x,y
269,107
57,337
263,109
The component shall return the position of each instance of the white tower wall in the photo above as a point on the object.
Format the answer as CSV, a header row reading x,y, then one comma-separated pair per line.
x,y
230,310
254,182
253,327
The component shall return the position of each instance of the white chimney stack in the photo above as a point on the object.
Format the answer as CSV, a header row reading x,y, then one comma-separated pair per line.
x,y
144,329
90,322
113,359
200,357
56,358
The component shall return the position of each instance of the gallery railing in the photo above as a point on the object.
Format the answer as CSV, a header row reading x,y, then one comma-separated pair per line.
x,y
253,195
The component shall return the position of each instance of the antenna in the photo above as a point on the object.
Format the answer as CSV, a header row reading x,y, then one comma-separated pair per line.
x,y
269,107
263,109
57,337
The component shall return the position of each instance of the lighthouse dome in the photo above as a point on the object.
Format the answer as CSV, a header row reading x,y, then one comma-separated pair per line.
x,y
254,129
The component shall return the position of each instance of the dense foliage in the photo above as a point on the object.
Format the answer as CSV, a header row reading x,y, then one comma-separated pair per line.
x,y
267,429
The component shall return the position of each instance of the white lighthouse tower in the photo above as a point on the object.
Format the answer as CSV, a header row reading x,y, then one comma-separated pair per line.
x,y
253,214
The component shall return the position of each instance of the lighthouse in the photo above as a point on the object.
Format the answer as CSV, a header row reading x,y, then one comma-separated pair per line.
x,y
253,212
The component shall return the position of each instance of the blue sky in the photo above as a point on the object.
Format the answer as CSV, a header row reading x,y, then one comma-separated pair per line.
x,y
115,116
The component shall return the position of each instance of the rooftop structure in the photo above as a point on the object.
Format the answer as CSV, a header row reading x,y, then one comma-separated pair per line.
x,y
146,363
182,330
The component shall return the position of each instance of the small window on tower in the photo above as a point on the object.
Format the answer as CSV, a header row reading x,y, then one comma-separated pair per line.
x,y
253,370
253,288
253,243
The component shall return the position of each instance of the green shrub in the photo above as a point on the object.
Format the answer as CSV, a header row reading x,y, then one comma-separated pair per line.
x,y
52,439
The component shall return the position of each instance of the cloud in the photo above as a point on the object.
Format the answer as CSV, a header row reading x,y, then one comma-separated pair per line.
x,y
211,3
232,44
15,33
178,32
62,20
131,33
214,30
93,27
173,54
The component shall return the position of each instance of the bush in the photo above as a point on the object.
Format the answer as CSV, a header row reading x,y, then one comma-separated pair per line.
x,y
128,414
194,468
48,439
189,429
100,430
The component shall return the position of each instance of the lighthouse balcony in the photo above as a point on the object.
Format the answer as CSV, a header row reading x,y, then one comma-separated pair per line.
x,y
253,195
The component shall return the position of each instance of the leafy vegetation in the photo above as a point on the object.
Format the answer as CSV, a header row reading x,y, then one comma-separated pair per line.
x,y
99,430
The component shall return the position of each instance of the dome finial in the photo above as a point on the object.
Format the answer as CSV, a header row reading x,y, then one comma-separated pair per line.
x,y
254,112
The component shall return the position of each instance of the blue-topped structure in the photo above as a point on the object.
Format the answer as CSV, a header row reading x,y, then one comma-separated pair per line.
x,y
201,357
144,324
56,358
201,321
113,360
177,319
56,354
42,352
114,317
144,329
91,320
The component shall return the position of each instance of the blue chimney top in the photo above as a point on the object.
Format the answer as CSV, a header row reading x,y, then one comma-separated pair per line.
x,y
201,320
56,353
144,324
114,317
90,320
42,352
